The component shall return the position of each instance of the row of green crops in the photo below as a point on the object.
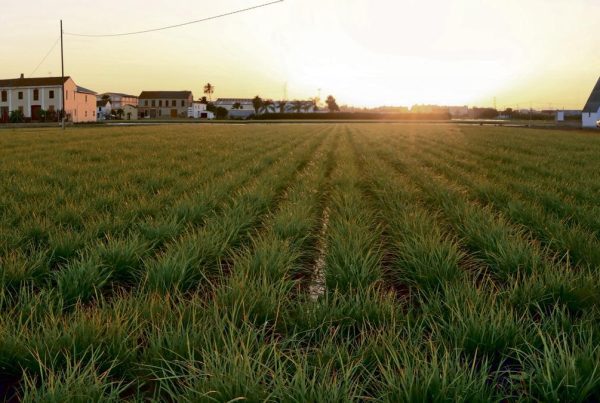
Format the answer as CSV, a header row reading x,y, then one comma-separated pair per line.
x,y
322,262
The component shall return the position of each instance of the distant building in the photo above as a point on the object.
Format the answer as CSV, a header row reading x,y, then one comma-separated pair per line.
x,y
165,104
103,109
130,112
458,111
31,96
429,109
198,111
591,111
239,108
119,100
242,107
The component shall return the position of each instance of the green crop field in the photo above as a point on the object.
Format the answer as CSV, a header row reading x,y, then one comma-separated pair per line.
x,y
299,262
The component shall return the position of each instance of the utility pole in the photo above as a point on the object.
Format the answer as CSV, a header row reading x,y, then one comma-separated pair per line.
x,y
62,67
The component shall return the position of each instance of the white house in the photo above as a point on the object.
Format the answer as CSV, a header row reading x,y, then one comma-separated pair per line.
x,y
130,112
31,96
591,111
198,111
103,109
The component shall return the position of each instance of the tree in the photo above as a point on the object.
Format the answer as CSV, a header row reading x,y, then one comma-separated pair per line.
x,y
268,106
16,116
315,103
257,103
282,105
307,105
297,106
237,105
221,113
209,89
203,100
332,104
105,97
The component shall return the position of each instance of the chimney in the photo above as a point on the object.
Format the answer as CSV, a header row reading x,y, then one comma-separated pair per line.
x,y
22,75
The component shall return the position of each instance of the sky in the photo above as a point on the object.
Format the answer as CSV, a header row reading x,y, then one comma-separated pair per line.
x,y
516,53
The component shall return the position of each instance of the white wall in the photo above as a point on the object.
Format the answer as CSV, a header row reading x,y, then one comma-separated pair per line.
x,y
589,119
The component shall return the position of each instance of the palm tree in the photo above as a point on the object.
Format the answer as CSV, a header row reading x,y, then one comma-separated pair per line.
x,y
268,106
282,106
297,106
307,105
237,105
315,103
208,90
257,102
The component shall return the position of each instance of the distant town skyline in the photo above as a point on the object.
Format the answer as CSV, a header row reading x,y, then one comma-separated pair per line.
x,y
543,53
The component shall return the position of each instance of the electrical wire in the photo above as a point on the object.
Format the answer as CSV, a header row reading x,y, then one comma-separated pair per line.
x,y
176,25
45,57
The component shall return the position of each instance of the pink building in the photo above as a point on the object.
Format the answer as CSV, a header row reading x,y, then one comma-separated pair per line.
x,y
33,96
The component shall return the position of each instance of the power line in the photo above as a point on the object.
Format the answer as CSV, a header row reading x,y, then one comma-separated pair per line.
x,y
45,57
177,25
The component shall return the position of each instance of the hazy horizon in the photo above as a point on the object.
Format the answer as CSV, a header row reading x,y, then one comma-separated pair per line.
x,y
544,53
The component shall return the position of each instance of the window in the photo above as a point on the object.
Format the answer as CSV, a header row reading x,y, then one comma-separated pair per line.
x,y
51,94
66,94
182,102
20,94
21,109
146,103
4,96
51,108
86,114
94,114
86,100
153,103
160,103
160,112
36,95
173,103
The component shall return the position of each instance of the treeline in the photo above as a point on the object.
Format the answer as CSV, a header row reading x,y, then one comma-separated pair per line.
x,y
352,116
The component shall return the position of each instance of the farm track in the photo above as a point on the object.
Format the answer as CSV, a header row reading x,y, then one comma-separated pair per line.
x,y
299,263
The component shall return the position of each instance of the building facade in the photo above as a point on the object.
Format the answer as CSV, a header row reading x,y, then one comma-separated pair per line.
x,y
119,100
198,111
103,109
591,111
238,108
165,104
130,112
34,97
